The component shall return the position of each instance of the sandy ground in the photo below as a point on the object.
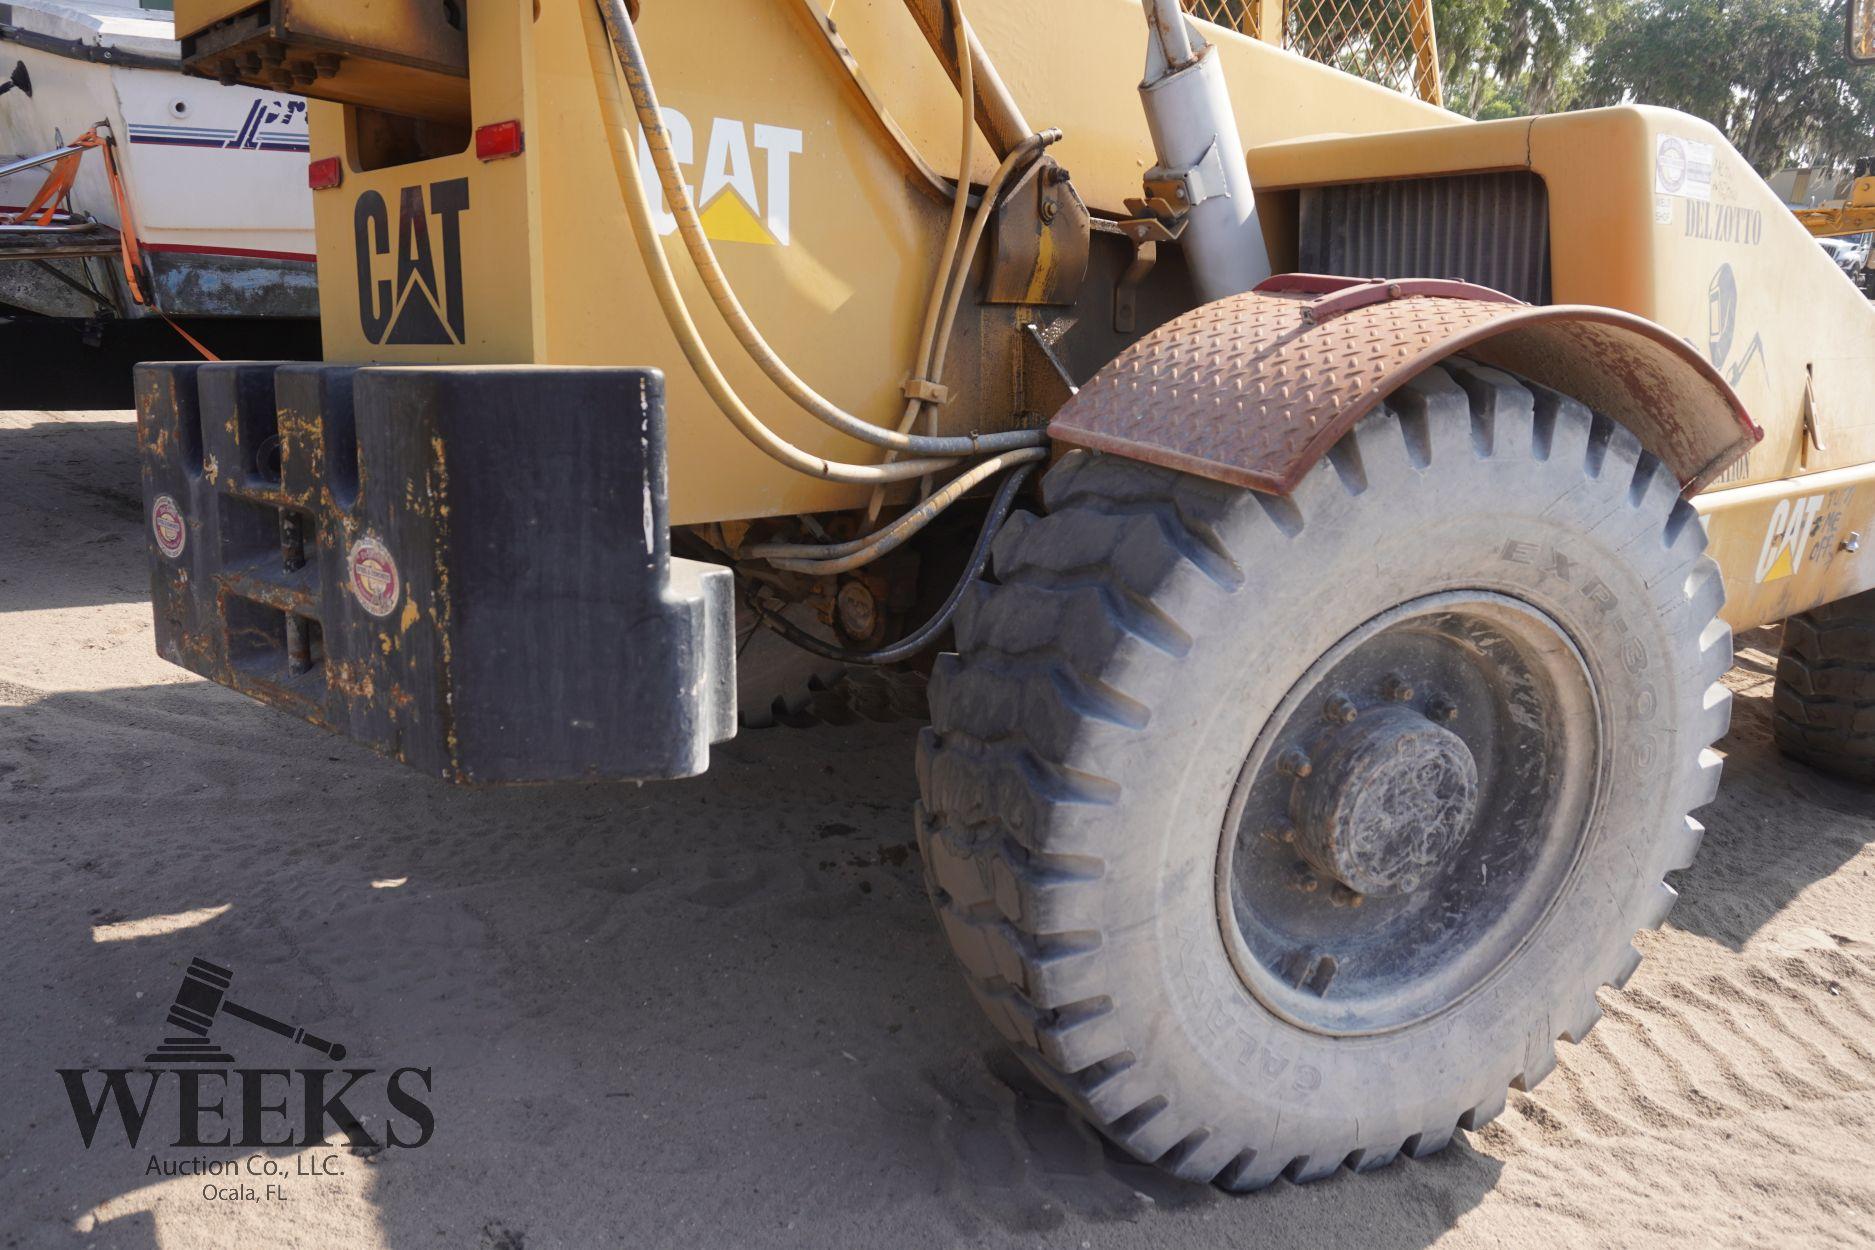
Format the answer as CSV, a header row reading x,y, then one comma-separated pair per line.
x,y
716,1012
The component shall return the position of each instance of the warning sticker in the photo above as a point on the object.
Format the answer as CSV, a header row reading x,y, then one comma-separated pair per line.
x,y
1683,167
374,578
166,523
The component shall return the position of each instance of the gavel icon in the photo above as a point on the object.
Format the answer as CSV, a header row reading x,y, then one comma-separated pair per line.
x,y
204,995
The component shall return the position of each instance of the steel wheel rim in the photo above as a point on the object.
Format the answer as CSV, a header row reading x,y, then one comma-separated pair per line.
x,y
1359,775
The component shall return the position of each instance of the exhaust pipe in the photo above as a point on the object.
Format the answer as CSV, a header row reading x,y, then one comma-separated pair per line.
x,y
1201,174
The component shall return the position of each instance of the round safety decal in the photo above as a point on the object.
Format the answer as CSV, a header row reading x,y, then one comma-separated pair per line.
x,y
1670,165
166,523
374,576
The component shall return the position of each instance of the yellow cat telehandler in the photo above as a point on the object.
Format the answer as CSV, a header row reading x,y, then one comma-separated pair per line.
x,y
1322,519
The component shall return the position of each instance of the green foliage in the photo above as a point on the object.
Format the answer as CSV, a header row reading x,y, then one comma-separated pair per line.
x,y
1506,57
1771,74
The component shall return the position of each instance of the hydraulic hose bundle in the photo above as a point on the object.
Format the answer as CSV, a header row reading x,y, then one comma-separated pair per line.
x,y
927,633
1017,450
932,453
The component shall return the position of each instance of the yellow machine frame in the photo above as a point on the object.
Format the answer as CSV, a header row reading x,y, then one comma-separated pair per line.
x,y
817,158
1267,653
1854,214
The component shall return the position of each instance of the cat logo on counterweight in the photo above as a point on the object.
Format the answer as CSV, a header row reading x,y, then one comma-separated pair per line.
x,y
421,302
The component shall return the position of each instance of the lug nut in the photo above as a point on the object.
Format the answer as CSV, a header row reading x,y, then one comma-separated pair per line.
x,y
1342,896
1294,763
1397,688
1442,709
1340,709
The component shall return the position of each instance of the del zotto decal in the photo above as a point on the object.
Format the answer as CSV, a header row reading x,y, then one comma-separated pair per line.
x,y
166,523
734,205
420,301
373,575
1724,223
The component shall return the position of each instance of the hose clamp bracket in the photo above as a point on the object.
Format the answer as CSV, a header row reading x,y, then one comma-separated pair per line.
x,y
926,391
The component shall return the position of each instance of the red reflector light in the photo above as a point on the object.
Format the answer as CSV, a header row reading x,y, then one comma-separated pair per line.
x,y
324,174
498,140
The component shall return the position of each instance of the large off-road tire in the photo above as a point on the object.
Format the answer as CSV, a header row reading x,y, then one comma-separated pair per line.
x,y
1824,707
1481,572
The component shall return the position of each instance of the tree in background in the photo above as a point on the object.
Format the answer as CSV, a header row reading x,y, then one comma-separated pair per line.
x,y
1503,58
1771,74
1467,29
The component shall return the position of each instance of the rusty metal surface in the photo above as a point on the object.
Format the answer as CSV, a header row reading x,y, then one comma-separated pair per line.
x,y
1041,239
1254,389
465,569
404,58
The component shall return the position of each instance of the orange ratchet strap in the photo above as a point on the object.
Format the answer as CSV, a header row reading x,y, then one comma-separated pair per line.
x,y
55,197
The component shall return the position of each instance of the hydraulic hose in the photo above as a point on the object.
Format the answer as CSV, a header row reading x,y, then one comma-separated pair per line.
x,y
1026,151
947,291
830,558
703,254
960,204
927,633
933,369
664,282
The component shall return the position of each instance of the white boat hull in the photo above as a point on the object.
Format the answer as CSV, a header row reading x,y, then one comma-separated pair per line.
x,y
216,176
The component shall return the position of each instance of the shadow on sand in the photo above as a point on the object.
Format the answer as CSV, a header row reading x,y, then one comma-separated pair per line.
x,y
710,1012
707,1012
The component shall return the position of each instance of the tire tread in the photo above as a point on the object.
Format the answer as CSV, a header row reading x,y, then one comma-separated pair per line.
x,y
1016,876
1823,708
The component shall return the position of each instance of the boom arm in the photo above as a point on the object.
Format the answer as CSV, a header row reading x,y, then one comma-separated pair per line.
x,y
997,111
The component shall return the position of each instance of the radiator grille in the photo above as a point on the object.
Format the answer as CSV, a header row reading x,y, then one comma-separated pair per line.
x,y
1491,229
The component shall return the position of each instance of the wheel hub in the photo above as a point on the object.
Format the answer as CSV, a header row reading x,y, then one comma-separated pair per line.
x,y
1409,812
1391,799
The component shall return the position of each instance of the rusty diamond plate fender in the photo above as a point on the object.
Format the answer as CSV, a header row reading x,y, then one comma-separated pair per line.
x,y
1254,389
